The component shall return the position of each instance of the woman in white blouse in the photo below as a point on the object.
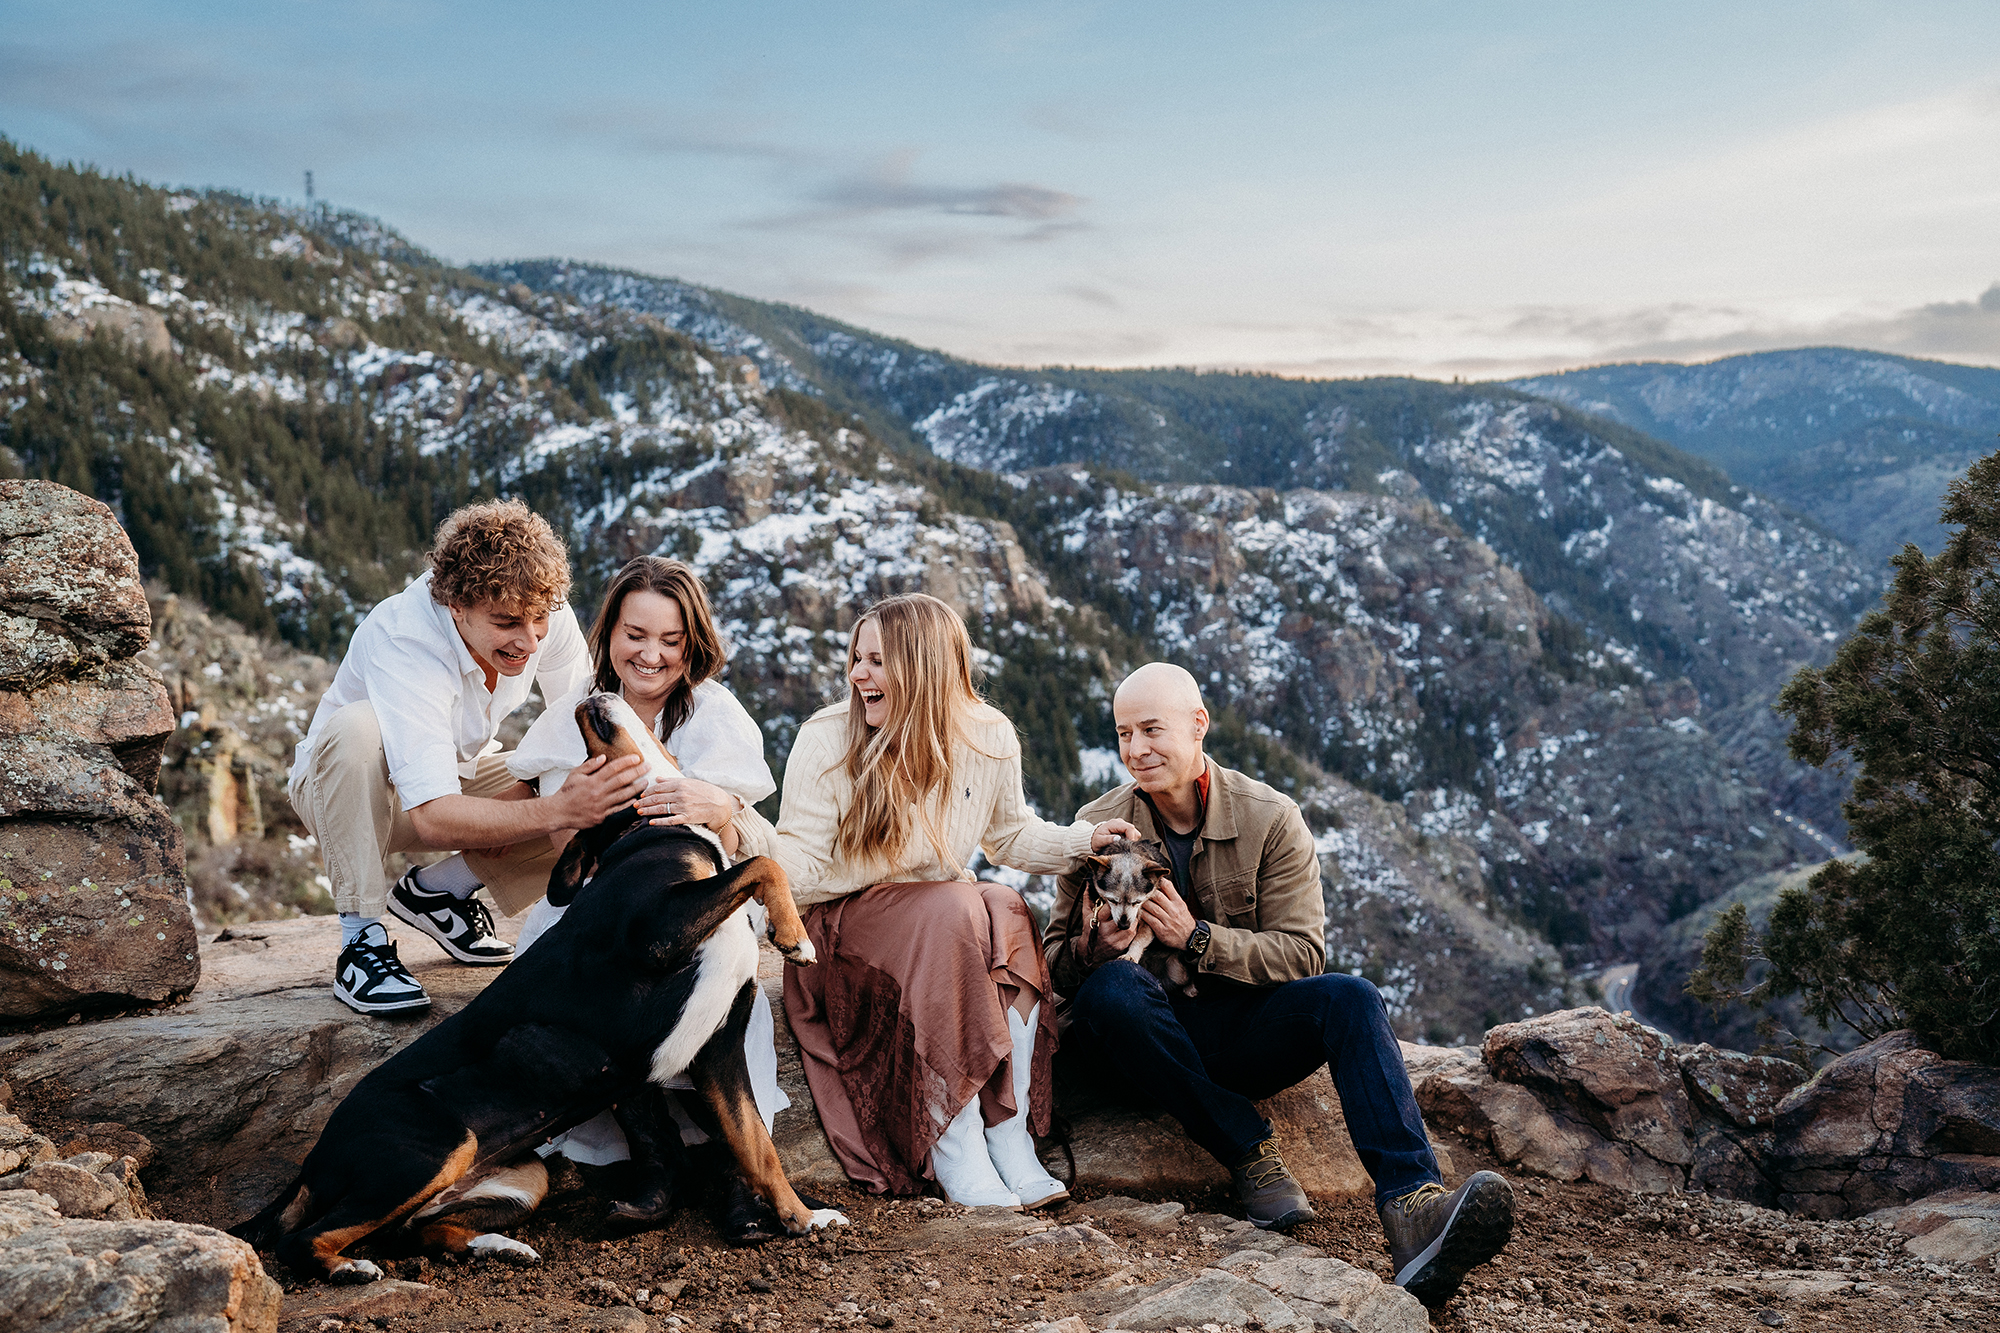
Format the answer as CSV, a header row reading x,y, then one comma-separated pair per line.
x,y
654,642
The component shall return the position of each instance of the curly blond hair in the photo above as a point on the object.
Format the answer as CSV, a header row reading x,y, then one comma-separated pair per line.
x,y
500,551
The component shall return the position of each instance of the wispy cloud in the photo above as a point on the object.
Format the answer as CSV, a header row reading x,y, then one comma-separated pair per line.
x,y
891,188
1088,348
1096,296
1535,340
888,209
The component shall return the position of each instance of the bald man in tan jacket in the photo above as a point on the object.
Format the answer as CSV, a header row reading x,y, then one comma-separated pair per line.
x,y
1246,913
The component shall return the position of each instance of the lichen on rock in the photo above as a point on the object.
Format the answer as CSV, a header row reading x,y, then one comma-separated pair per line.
x,y
93,892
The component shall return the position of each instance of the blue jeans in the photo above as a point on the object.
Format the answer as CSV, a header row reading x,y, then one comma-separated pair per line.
x,y
1206,1060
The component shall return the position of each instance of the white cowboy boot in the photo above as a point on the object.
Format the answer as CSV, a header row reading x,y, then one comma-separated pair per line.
x,y
1009,1144
963,1169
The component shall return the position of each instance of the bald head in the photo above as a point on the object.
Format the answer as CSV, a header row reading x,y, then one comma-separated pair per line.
x,y
1158,686
1161,725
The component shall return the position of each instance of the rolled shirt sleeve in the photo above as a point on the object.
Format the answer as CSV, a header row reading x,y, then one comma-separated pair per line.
x,y
405,680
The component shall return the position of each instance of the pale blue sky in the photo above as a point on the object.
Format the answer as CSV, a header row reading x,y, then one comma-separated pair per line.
x,y
1335,188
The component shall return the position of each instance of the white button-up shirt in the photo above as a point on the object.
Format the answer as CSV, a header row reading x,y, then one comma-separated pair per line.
x,y
429,692
719,743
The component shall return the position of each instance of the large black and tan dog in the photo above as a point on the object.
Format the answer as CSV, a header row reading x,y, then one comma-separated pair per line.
x,y
649,973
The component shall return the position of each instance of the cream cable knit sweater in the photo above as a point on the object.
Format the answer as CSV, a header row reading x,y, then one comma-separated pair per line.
x,y
984,809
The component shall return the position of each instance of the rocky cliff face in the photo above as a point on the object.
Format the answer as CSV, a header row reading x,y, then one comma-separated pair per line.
x,y
93,907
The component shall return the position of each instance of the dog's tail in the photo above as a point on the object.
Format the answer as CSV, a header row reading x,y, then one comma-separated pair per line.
x,y
265,1229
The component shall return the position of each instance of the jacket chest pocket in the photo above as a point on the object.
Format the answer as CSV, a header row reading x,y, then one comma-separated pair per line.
x,y
1235,899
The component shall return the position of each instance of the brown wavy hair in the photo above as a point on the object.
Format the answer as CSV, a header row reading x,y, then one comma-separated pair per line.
x,y
500,551
899,768
701,644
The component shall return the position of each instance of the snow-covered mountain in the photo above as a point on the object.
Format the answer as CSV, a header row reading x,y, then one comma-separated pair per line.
x,y
1502,652
1665,562
1864,442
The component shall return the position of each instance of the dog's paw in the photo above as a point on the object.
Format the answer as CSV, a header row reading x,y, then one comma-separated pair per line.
x,y
801,954
354,1272
825,1217
506,1248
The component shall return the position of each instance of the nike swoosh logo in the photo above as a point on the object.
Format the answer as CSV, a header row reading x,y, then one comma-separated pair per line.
x,y
450,922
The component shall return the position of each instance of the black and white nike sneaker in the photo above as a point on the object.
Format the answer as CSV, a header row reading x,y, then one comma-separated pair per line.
x,y
462,927
369,979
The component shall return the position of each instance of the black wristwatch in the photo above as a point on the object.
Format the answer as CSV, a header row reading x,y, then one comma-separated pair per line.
x,y
1197,944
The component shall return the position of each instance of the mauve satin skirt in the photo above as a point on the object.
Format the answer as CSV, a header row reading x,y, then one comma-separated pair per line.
x,y
903,1021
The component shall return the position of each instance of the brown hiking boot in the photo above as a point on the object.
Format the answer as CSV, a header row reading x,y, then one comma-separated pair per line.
x,y
1436,1238
1271,1199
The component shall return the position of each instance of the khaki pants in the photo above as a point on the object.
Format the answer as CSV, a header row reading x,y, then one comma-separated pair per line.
x,y
347,801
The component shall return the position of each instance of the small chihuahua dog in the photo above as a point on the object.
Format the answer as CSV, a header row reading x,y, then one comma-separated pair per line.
x,y
1122,877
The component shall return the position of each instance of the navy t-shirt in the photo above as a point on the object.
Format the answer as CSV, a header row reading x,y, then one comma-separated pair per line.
x,y
1180,847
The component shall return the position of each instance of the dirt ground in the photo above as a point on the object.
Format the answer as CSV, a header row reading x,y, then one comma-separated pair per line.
x,y
1583,1257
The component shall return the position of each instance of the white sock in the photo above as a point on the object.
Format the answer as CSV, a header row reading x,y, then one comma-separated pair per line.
x,y
451,875
1010,1145
963,1170
353,923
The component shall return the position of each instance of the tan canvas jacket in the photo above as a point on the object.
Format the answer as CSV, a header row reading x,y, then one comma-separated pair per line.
x,y
1256,881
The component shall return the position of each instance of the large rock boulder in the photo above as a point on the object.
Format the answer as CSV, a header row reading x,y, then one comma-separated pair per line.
x,y
1606,1075
1533,1132
60,1275
1889,1122
1956,1227
138,328
233,1087
93,893
1585,1094
1118,1145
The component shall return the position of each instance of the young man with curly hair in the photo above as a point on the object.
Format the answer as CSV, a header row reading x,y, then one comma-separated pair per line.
x,y
403,754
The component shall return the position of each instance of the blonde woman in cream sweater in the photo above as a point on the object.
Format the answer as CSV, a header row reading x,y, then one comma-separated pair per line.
x,y
924,1029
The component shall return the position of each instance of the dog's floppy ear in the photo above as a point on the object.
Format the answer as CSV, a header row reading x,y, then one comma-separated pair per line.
x,y
1093,859
578,861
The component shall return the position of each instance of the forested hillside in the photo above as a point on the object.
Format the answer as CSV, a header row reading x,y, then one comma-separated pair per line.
x,y
1864,442
1659,558
1511,659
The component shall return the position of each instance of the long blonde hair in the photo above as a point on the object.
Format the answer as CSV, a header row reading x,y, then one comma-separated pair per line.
x,y
899,768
